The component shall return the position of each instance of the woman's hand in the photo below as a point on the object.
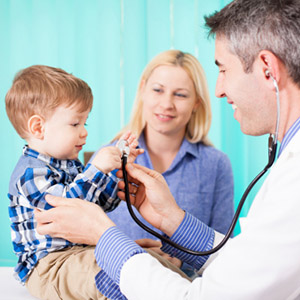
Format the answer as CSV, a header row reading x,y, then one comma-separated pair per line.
x,y
155,246
75,220
153,198
130,138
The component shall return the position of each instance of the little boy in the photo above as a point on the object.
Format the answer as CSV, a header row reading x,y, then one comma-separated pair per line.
x,y
49,107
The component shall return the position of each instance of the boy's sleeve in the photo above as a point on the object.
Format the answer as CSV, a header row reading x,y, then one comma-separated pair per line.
x,y
105,194
91,185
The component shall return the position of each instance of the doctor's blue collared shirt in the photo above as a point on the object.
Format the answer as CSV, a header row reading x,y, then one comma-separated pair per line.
x,y
114,248
106,247
289,135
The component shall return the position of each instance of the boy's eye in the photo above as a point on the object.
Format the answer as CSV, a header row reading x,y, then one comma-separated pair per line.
x,y
75,124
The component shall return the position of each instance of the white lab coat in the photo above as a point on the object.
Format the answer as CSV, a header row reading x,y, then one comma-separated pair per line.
x,y
262,262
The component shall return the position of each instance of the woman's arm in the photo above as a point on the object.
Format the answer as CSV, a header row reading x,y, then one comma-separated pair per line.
x,y
223,204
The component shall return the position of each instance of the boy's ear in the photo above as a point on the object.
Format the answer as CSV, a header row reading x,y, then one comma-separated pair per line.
x,y
36,126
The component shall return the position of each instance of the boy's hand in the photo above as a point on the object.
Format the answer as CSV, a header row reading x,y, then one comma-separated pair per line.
x,y
108,159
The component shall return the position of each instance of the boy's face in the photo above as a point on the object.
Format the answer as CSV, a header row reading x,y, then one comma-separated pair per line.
x,y
65,133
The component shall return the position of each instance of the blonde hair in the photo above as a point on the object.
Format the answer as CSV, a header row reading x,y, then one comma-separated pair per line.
x,y
39,90
200,121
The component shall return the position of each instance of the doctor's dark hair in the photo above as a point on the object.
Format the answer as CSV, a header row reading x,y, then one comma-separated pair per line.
x,y
199,124
39,90
251,26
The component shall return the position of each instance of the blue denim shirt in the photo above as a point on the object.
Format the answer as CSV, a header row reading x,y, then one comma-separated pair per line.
x,y
201,181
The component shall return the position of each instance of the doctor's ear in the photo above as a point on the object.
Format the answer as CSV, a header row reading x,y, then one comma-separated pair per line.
x,y
269,64
268,73
35,126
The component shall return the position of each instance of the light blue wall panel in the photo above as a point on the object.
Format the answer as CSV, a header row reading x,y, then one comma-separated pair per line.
x,y
158,27
134,46
108,44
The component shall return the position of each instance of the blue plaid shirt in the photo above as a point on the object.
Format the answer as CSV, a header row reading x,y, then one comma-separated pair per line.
x,y
36,175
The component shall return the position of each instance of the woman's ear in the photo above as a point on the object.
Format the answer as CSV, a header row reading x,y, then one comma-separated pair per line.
x,y
197,104
36,126
141,89
142,84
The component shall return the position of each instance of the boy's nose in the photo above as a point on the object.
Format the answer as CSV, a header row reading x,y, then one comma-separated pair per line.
x,y
84,133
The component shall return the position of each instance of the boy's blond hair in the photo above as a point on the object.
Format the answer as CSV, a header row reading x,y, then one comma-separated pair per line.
x,y
40,90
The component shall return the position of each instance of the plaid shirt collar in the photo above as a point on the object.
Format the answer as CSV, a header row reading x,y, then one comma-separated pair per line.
x,y
62,164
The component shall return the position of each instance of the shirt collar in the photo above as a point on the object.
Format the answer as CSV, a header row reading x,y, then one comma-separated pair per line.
x,y
289,135
64,164
185,148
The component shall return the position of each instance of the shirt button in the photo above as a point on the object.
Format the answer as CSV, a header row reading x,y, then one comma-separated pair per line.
x,y
70,164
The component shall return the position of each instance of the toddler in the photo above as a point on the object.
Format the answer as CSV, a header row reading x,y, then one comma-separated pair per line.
x,y
48,107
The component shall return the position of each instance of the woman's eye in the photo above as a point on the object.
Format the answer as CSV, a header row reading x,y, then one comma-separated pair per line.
x,y
75,124
180,95
157,90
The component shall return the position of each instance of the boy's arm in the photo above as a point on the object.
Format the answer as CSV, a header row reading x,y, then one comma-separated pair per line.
x,y
89,185
105,194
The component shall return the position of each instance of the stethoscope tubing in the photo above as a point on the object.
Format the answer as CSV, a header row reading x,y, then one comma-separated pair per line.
x,y
272,148
272,155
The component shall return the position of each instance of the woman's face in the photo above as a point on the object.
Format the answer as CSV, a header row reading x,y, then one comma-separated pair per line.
x,y
169,99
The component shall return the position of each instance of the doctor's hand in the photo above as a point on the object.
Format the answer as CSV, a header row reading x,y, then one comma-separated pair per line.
x,y
73,219
155,246
153,198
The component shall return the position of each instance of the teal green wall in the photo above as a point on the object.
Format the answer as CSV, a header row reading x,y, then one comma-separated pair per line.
x,y
107,44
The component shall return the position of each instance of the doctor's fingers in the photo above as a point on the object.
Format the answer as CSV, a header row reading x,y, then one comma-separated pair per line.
x,y
121,195
133,188
46,229
130,179
147,177
149,243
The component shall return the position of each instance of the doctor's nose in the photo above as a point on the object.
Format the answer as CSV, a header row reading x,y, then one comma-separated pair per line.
x,y
219,91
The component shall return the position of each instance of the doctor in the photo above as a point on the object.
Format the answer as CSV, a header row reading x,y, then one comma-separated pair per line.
x,y
256,42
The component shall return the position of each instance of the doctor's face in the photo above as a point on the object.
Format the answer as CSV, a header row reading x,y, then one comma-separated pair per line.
x,y
253,107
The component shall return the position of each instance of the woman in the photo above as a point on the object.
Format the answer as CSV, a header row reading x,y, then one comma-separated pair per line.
x,y
172,117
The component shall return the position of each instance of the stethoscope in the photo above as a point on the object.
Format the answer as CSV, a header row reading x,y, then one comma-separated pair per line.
x,y
272,147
